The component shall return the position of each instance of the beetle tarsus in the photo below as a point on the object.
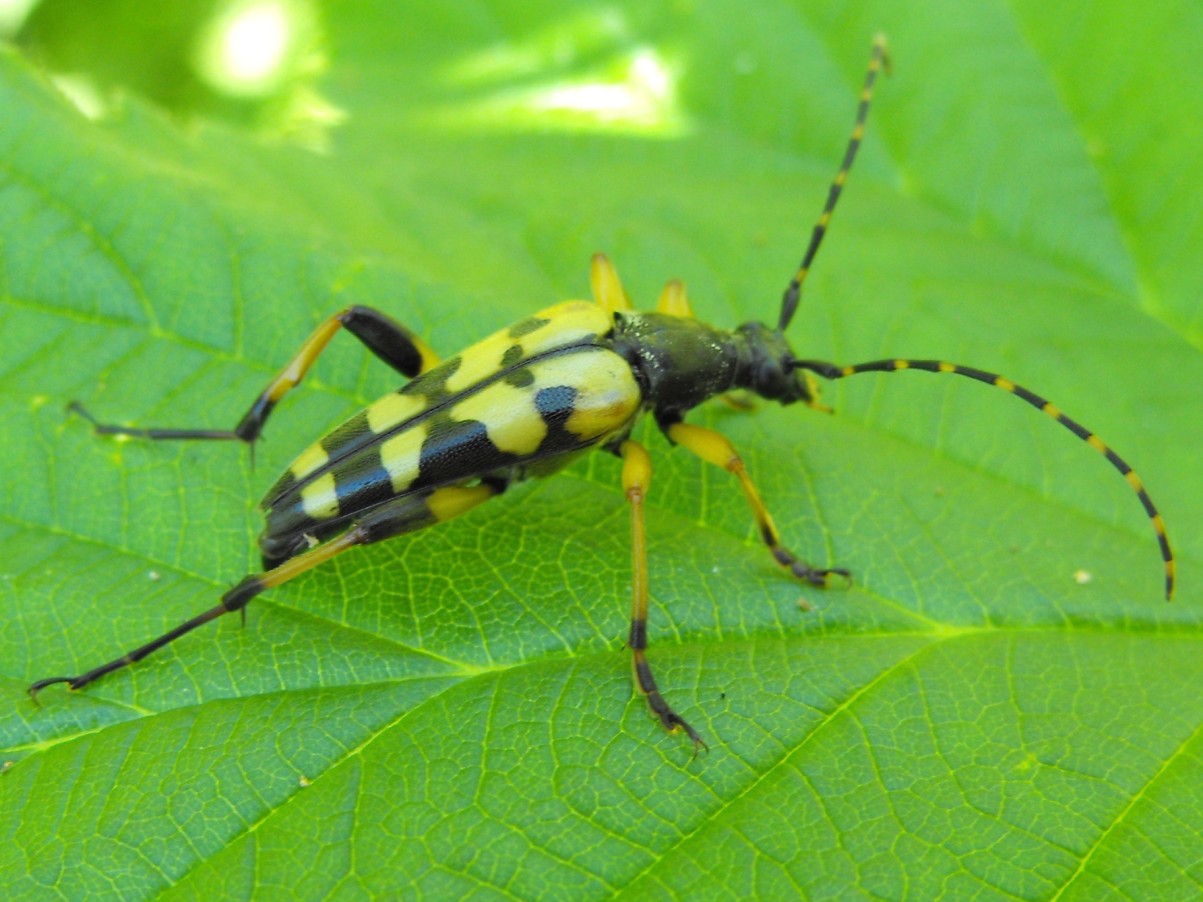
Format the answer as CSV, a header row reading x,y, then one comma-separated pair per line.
x,y
822,577
35,688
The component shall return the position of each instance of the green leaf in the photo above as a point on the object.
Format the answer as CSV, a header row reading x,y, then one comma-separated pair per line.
x,y
1001,706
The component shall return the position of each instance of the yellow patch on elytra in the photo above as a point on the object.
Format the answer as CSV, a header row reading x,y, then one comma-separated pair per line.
x,y
392,410
479,362
319,499
400,456
608,396
309,460
509,416
570,322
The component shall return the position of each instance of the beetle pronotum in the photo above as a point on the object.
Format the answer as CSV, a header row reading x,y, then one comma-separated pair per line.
x,y
523,403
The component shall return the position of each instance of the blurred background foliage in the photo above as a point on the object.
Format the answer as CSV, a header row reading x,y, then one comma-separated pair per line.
x,y
251,63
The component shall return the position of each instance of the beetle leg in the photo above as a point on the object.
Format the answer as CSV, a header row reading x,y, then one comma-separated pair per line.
x,y
405,514
740,401
607,288
234,600
674,301
716,449
379,333
636,475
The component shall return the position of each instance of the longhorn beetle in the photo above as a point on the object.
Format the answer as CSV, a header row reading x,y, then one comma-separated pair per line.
x,y
526,401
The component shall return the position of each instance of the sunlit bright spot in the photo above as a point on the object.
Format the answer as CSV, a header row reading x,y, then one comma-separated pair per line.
x,y
635,93
13,14
251,47
639,98
84,93
642,98
555,44
269,52
582,71
254,44
650,71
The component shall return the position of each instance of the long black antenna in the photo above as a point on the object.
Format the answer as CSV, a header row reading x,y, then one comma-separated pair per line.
x,y
831,371
793,292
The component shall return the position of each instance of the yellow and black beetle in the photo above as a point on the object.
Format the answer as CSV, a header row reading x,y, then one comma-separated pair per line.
x,y
526,401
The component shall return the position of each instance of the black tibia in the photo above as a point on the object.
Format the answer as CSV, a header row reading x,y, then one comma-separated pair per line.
x,y
715,448
109,429
636,476
234,600
379,333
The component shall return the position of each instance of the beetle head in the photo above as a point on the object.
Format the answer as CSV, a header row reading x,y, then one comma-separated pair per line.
x,y
769,367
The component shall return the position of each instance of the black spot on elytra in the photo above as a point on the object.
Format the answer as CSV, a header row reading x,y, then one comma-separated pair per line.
x,y
352,432
457,449
555,405
515,375
284,484
521,377
433,383
360,482
527,326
